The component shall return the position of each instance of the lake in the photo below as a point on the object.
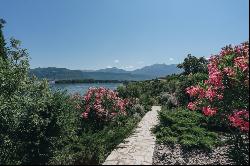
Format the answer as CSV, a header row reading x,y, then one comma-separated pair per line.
x,y
83,87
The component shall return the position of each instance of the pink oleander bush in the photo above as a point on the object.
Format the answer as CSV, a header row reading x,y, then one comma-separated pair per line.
x,y
101,105
240,119
225,94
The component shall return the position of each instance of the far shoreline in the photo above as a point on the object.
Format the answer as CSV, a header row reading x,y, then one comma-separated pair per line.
x,y
88,81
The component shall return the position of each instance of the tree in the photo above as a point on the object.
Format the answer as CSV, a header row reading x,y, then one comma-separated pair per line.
x,y
2,41
32,118
193,65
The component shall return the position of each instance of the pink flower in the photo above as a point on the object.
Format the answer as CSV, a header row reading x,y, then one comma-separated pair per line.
x,y
85,115
215,78
226,65
240,119
87,108
220,96
195,90
226,51
113,114
102,102
215,75
242,63
214,60
210,94
208,111
192,106
97,106
87,97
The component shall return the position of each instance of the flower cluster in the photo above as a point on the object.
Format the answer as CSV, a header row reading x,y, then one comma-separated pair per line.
x,y
192,106
239,119
208,111
195,91
215,75
227,71
242,63
102,104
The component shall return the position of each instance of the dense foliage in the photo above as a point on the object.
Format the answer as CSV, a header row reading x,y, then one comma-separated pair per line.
x,y
225,95
91,145
105,120
28,118
38,126
194,65
218,88
186,128
169,91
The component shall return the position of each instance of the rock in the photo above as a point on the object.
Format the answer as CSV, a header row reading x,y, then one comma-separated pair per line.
x,y
166,155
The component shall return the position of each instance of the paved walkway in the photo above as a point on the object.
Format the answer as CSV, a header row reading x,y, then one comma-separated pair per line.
x,y
138,149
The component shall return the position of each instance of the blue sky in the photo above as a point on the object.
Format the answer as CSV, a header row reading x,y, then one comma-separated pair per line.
x,y
129,34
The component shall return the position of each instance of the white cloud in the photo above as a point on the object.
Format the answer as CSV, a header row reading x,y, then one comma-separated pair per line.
x,y
171,59
108,66
116,61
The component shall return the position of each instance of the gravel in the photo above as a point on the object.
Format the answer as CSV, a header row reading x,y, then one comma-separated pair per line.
x,y
175,155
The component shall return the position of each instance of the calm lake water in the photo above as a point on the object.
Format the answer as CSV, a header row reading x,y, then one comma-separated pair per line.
x,y
83,87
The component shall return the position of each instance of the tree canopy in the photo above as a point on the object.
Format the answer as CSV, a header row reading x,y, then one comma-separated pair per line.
x,y
193,65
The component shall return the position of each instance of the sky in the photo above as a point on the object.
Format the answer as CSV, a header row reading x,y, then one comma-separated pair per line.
x,y
128,34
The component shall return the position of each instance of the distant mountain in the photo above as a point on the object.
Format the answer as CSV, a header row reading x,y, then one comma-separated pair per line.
x,y
145,73
112,70
87,70
158,70
53,73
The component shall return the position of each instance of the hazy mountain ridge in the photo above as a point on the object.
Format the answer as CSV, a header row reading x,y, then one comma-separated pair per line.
x,y
145,73
158,70
112,70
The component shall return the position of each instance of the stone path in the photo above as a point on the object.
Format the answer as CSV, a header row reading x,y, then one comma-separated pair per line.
x,y
138,149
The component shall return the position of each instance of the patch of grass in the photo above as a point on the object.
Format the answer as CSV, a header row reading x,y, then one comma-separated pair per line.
x,y
186,128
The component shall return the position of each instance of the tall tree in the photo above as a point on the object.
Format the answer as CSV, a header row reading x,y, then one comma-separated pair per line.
x,y
193,65
2,41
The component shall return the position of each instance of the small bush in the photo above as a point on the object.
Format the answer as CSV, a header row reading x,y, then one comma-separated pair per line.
x,y
93,147
98,135
184,127
144,92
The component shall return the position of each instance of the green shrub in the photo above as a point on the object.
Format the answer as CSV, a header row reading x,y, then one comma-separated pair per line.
x,y
141,91
184,127
131,90
93,147
32,121
186,81
38,126
28,116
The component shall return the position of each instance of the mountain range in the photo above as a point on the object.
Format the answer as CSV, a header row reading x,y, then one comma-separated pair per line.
x,y
145,73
